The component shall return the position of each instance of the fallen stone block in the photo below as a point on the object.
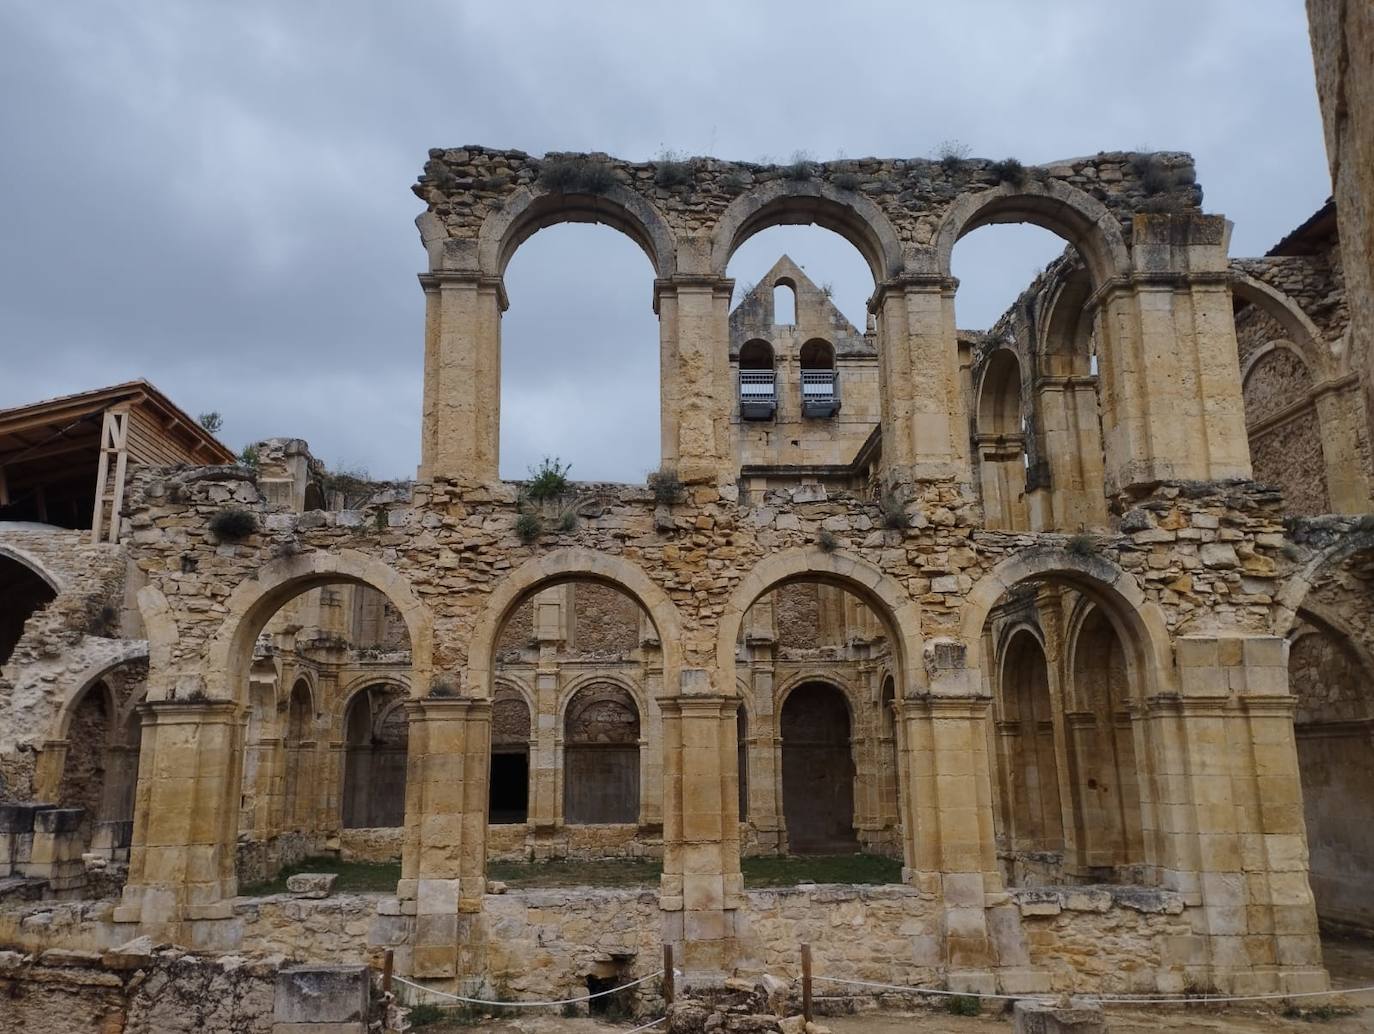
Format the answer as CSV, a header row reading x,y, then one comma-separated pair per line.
x,y
1077,1017
135,954
309,996
312,884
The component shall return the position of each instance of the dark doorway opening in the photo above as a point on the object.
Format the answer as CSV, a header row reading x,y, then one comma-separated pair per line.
x,y
817,771
510,788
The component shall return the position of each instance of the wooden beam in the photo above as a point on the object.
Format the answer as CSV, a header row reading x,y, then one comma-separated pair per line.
x,y
4,487
59,448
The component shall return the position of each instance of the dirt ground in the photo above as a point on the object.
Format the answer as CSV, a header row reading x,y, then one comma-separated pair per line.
x,y
1350,962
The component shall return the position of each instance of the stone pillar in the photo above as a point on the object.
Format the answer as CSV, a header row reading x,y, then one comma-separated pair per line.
x,y
702,886
48,769
697,388
947,820
443,859
545,805
1340,415
461,419
765,745
1230,817
1071,447
924,423
181,863
1002,471
1172,406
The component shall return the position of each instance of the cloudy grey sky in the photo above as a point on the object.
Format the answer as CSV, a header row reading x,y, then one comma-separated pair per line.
x,y
216,196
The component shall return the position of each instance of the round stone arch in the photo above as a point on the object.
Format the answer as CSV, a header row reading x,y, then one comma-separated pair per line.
x,y
829,676
1079,218
75,688
1268,348
1066,327
785,202
571,565
520,689
529,210
994,396
251,605
1138,621
1294,591
24,558
592,678
362,684
1303,336
898,612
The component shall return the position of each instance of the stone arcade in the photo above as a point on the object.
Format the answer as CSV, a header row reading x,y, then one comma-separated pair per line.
x,y
1106,731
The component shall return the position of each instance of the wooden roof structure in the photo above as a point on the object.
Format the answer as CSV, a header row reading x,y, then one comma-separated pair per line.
x,y
63,460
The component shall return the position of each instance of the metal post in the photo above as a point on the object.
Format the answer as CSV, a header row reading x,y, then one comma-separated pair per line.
x,y
388,962
669,984
806,982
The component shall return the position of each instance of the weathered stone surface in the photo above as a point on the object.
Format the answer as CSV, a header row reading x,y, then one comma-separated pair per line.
x,y
1031,1017
312,884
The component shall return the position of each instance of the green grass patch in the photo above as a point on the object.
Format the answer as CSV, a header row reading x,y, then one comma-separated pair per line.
x,y
571,872
354,877
789,870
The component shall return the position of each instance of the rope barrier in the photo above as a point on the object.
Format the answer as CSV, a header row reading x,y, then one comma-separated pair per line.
x,y
528,1005
646,1026
1101,999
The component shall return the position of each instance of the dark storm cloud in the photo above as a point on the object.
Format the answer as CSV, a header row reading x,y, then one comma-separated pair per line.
x,y
215,195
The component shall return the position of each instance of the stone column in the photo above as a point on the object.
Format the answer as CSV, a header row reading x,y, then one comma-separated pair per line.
x,y
443,859
181,863
948,832
1172,405
925,427
1340,415
1230,819
697,388
702,886
48,769
461,419
1071,446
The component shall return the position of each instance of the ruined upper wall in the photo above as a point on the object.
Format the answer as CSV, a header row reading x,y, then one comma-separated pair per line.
x,y
688,215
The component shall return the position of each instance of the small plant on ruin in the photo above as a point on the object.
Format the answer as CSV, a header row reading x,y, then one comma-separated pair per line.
x,y
673,170
549,480
249,457
734,182
528,527
576,176
801,167
1009,170
828,289
211,421
233,524
827,540
567,523
380,521
964,1005
846,181
569,1011
424,1014
101,619
951,154
1154,177
892,506
1082,544
666,485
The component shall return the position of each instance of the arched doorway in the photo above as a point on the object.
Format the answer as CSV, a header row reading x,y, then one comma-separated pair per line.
x,y
817,771
22,593
509,785
377,738
1031,818
601,757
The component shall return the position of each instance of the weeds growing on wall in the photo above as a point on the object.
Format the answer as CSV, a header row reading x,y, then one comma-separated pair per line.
x,y
673,170
846,181
952,155
1082,545
734,182
233,524
528,527
249,456
827,540
801,167
576,176
892,506
1009,170
964,1005
548,481
666,485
